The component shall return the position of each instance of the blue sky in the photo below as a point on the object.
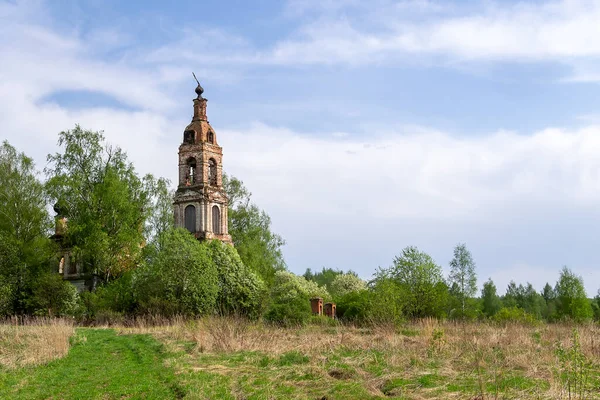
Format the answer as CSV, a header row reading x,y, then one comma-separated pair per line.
x,y
360,127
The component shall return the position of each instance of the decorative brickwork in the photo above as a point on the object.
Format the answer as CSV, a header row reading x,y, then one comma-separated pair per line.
x,y
200,202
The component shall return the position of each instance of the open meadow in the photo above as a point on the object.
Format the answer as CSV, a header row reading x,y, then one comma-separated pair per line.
x,y
225,358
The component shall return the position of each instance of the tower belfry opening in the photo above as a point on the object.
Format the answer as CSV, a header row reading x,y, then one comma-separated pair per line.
x,y
200,202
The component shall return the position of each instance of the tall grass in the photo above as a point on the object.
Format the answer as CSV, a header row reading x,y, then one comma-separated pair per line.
x,y
33,341
483,360
491,358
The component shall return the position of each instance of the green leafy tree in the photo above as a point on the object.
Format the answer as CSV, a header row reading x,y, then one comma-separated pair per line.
x,y
386,302
514,315
548,293
490,300
420,281
23,214
161,218
533,302
179,278
250,228
308,274
323,278
52,296
462,276
107,204
596,306
290,298
357,306
572,301
549,309
288,285
25,250
116,296
525,298
512,297
346,283
241,291
6,297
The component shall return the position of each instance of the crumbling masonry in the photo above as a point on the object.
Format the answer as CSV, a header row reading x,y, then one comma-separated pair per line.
x,y
200,203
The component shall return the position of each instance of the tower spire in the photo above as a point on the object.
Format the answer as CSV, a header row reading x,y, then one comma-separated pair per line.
x,y
199,89
199,103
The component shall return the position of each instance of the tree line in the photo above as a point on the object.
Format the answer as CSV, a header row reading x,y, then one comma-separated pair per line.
x,y
120,230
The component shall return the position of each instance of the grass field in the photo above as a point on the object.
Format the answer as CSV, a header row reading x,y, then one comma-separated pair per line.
x,y
221,358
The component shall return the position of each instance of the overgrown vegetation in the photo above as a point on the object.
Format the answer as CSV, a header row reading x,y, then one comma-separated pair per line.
x,y
232,358
232,322
118,227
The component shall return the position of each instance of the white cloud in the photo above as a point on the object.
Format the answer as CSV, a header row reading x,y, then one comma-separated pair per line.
x,y
418,172
355,202
340,200
386,32
556,31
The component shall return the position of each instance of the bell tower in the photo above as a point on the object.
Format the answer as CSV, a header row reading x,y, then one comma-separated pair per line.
x,y
200,202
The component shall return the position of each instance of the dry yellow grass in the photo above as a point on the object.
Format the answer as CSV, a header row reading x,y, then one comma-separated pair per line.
x,y
484,355
421,360
33,341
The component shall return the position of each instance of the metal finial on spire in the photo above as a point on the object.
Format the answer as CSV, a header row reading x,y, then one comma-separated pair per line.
x,y
199,89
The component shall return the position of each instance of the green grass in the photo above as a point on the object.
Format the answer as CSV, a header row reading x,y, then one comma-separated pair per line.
x,y
104,365
100,365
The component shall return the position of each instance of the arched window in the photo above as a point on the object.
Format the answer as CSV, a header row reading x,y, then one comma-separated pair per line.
x,y
190,176
212,171
216,220
189,137
211,137
190,218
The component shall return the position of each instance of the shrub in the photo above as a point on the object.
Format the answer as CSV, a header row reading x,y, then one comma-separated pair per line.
x,y
180,278
514,315
112,298
386,302
117,295
344,284
287,285
241,291
52,296
419,279
6,298
290,299
572,301
354,306
289,312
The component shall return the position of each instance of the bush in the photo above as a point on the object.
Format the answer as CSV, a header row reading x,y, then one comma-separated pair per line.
x,y
386,303
241,291
290,299
290,312
287,285
52,296
354,306
112,298
117,295
180,278
572,301
423,292
514,315
6,298
344,284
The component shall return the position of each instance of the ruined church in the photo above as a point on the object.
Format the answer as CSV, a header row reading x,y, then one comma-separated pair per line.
x,y
200,202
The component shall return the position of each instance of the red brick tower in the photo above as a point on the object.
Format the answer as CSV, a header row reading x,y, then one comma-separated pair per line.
x,y
200,203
